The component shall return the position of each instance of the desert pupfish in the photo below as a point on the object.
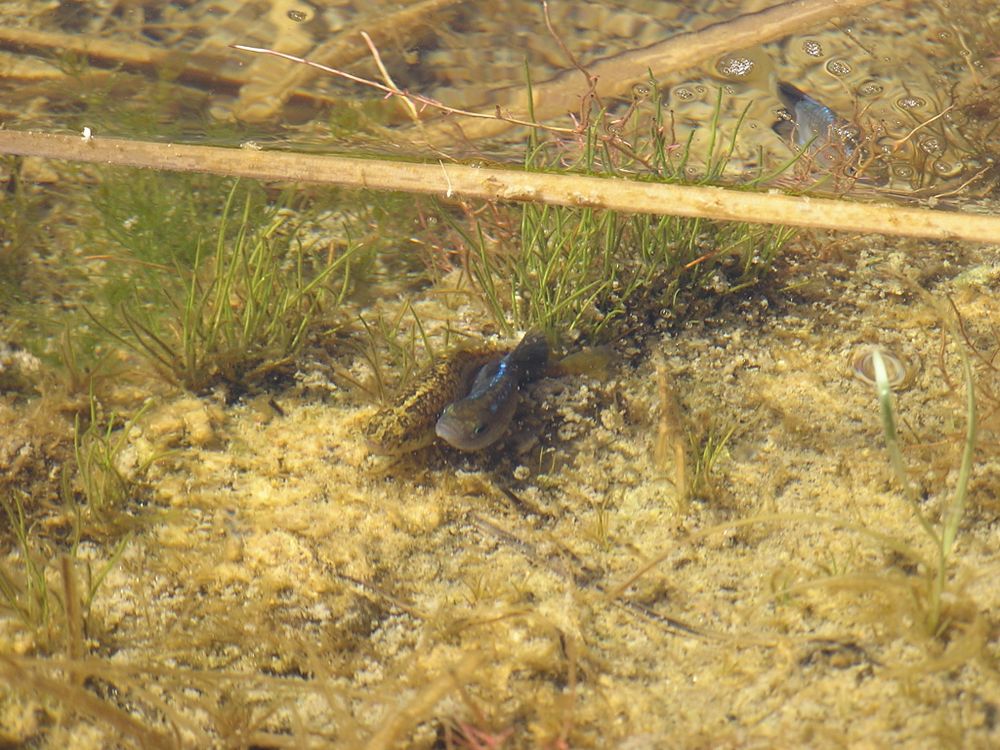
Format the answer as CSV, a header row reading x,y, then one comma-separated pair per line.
x,y
813,125
408,424
481,418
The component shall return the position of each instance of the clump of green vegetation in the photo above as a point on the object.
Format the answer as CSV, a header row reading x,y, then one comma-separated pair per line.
x,y
236,312
160,218
98,449
585,269
25,590
708,448
91,493
392,346
17,223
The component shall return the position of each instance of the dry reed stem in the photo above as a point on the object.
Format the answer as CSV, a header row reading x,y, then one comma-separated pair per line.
x,y
204,70
128,53
626,196
392,90
21,68
669,445
617,75
74,616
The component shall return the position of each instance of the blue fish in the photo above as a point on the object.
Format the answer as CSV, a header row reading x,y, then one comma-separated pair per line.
x,y
814,126
481,418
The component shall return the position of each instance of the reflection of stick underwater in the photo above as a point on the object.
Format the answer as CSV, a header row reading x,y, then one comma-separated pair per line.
x,y
617,74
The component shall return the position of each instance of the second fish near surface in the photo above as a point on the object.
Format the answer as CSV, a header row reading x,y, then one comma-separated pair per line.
x,y
811,125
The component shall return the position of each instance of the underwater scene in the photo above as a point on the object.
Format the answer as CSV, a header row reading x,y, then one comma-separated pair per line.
x,y
465,375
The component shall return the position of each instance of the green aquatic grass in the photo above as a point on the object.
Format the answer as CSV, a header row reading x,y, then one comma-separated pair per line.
x,y
148,218
397,348
241,310
98,449
18,226
585,269
392,346
942,537
708,450
24,590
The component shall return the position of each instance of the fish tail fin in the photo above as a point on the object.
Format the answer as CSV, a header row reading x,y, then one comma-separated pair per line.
x,y
791,95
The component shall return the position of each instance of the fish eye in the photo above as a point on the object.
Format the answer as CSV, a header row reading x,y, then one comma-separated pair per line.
x,y
479,429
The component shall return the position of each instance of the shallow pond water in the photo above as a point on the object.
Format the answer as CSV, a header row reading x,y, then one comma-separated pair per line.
x,y
701,536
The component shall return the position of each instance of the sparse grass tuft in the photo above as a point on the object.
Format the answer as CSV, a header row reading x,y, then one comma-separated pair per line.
x,y
708,450
397,348
161,219
237,313
98,450
25,591
943,537
23,588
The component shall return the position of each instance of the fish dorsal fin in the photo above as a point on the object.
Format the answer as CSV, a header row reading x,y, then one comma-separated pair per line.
x,y
531,356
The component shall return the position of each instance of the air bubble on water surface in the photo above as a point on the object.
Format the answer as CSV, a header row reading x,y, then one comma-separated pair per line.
x,y
838,67
812,48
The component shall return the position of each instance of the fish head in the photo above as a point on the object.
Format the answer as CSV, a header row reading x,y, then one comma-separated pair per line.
x,y
469,426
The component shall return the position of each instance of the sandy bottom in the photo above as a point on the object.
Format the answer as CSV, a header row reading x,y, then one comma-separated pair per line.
x,y
707,547
285,588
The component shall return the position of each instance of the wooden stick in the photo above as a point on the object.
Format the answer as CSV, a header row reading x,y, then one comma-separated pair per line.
x,y
627,196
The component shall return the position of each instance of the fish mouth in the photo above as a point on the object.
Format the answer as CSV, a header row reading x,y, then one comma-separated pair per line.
x,y
454,433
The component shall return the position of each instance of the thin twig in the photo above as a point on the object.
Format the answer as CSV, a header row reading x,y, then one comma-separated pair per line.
x,y
342,49
414,115
591,80
898,143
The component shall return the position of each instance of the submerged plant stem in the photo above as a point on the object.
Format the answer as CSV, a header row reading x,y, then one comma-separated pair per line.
x,y
892,445
627,196
944,540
